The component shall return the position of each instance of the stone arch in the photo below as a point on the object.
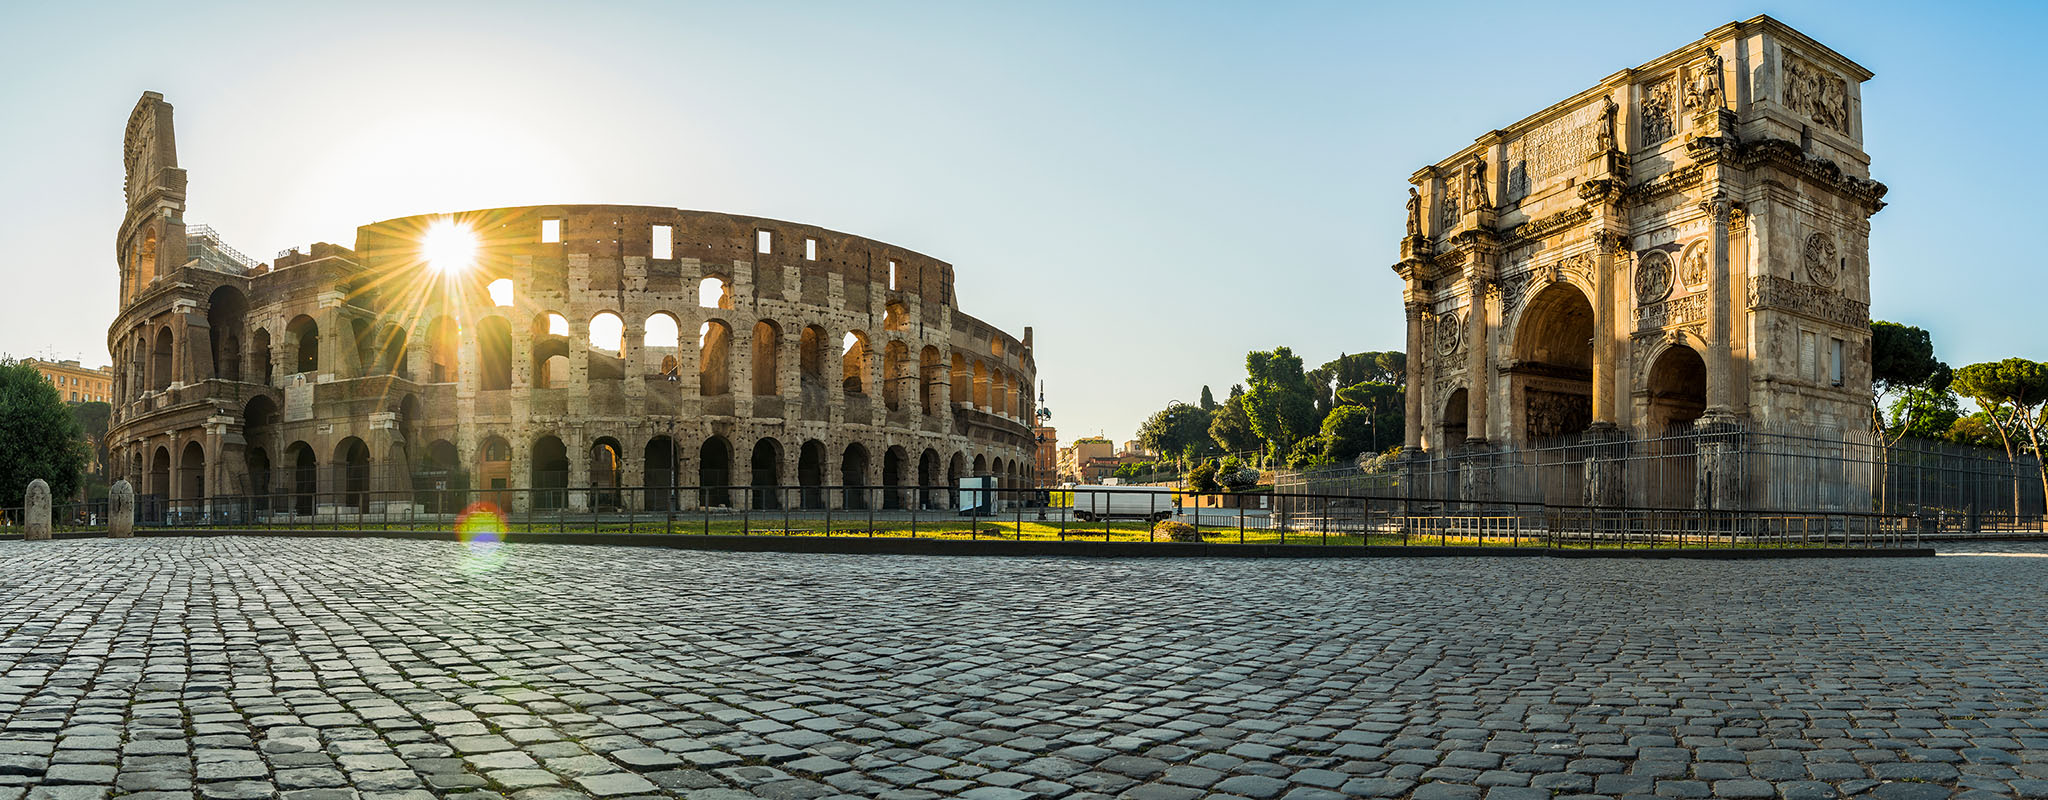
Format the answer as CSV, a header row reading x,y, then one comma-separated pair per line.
x,y
714,356
160,473
494,353
550,345
928,479
439,478
853,364
895,369
981,385
1551,377
146,260
305,477
895,316
980,465
767,346
662,330
714,291
658,463
811,357
963,381
765,469
359,336
162,359
810,474
226,312
494,471
444,349
191,475
502,292
1676,388
304,336
550,470
714,473
853,476
259,357
606,358
352,474
607,474
256,465
1456,411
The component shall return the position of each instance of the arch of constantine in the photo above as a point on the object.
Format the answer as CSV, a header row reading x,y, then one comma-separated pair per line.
x,y
1678,255
602,352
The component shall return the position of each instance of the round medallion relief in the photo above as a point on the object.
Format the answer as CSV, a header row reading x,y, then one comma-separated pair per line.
x,y
1820,259
1653,277
1448,332
1692,268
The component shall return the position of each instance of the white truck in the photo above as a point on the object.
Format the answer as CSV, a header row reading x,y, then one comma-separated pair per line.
x,y
1093,503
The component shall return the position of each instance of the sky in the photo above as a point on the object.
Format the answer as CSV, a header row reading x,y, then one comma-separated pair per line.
x,y
1154,188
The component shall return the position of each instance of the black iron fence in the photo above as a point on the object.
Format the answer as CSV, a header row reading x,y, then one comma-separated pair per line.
x,y
968,512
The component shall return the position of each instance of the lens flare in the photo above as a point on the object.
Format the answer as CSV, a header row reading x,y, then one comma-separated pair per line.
x,y
481,527
449,247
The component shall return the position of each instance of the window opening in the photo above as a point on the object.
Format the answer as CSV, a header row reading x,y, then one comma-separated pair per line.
x,y
550,231
664,242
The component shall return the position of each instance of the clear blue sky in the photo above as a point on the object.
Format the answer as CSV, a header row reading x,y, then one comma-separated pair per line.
x,y
1155,187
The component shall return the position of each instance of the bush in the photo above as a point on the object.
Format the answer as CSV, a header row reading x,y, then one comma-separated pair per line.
x,y
1202,478
1170,531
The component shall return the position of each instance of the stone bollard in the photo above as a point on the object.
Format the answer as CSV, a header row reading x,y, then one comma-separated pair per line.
x,y
37,508
120,510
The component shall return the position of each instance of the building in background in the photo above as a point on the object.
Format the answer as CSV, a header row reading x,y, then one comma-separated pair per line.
x,y
76,383
1047,459
1087,460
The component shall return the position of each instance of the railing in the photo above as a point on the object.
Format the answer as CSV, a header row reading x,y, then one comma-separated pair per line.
x,y
951,512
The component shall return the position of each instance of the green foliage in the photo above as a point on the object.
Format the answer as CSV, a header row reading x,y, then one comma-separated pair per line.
x,y
1171,531
1975,430
1279,402
2008,391
39,437
1901,356
1141,470
1235,476
93,417
1347,432
1310,453
1179,430
1230,427
1924,413
1208,400
1203,477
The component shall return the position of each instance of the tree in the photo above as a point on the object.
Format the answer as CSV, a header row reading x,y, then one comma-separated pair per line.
x,y
1179,430
1347,432
1925,413
1208,400
39,438
93,417
1203,477
2011,394
1230,427
1975,430
1901,359
1279,402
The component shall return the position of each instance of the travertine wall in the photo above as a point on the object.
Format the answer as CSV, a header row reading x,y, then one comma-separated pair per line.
x,y
1685,243
385,374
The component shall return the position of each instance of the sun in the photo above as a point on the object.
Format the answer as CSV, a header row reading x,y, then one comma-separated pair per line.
x,y
449,247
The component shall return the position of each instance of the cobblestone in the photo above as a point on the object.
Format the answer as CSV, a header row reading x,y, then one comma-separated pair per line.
x,y
388,670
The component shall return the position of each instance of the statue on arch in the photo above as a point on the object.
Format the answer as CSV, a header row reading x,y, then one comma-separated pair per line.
x,y
1414,212
1704,93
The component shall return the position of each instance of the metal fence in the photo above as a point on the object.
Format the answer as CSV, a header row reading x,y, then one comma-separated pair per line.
x,y
1726,469
1121,514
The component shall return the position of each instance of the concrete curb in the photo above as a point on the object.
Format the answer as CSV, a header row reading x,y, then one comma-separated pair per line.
x,y
885,545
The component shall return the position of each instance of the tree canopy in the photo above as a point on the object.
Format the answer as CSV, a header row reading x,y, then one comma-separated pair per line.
x,y
1279,401
1177,430
39,437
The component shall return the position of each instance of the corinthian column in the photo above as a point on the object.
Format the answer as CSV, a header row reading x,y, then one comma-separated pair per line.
x,y
1478,346
1720,348
1412,437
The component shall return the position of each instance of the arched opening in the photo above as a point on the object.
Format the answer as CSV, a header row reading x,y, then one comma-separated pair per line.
x,y
305,478
671,369
259,357
659,459
893,465
963,381
1678,391
146,263
439,479
494,471
662,331
980,467
354,458
929,377
606,360
981,386
928,478
714,350
998,393
444,346
365,346
160,360
853,364
1552,377
392,361
767,358
305,337
550,474
895,316
192,476
895,368
225,310
853,477
810,474
160,477
714,473
1456,409
766,465
714,292
500,291
550,351
607,470
256,462
494,354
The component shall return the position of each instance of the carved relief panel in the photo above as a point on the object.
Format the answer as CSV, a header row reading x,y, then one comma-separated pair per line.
x,y
1819,259
1659,114
1816,93
1692,267
1653,277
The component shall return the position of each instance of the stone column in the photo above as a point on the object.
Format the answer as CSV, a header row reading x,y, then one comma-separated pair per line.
x,y
1478,347
1607,328
1720,353
121,510
36,506
1411,440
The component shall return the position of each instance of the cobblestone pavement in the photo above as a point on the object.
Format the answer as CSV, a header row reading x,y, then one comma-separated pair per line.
x,y
331,668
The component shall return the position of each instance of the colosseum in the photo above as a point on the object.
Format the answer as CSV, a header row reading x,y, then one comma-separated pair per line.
x,y
546,348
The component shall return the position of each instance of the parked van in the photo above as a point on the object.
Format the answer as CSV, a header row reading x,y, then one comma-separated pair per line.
x,y
1092,503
